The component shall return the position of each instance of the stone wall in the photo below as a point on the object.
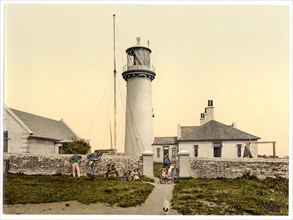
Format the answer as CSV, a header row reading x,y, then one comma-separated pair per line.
x,y
52,164
233,168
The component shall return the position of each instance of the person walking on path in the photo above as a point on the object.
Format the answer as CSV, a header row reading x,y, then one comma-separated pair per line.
x,y
166,162
75,160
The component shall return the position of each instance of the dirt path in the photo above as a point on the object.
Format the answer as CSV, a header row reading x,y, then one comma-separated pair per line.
x,y
152,206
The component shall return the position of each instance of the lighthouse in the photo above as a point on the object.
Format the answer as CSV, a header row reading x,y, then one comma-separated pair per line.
x,y
139,112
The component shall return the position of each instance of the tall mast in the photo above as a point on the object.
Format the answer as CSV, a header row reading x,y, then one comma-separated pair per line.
x,y
115,109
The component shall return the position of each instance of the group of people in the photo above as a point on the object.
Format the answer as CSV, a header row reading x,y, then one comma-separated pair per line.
x,y
92,157
170,172
131,176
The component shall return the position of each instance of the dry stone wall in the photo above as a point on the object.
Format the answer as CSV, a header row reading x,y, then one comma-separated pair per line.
x,y
53,164
233,168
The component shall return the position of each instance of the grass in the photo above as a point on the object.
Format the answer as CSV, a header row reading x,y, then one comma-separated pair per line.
x,y
241,196
22,189
157,169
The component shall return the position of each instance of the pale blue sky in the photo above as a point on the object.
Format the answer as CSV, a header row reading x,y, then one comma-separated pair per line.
x,y
59,64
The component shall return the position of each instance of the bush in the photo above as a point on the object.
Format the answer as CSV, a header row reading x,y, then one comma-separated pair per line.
x,y
76,146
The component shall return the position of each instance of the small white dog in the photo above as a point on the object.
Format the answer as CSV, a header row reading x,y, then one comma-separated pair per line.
x,y
166,206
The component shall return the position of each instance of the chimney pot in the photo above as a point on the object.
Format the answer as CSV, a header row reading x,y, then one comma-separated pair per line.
x,y
210,102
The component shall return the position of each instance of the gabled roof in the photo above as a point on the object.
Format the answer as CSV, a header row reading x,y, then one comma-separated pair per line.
x,y
213,130
41,127
165,140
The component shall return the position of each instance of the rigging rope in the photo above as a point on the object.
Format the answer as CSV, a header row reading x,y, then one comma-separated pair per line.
x,y
127,124
92,122
105,130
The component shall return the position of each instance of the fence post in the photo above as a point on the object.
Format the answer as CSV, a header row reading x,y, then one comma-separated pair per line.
x,y
184,164
147,164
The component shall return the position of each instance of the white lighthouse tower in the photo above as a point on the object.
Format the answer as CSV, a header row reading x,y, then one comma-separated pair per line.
x,y
139,113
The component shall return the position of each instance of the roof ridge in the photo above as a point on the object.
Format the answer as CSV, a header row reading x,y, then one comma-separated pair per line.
x,y
35,115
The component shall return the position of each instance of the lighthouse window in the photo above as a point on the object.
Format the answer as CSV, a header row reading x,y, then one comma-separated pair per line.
x,y
130,60
138,56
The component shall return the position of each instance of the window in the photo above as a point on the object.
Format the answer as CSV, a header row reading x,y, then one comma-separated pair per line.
x,y
195,150
5,141
239,146
158,152
217,149
173,152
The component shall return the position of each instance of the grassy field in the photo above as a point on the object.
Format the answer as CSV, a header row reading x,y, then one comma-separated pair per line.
x,y
22,189
242,196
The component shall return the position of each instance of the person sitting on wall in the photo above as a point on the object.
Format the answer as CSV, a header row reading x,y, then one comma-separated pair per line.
x,y
91,171
75,160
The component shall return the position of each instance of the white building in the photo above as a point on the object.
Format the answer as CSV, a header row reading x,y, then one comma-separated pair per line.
x,y
28,133
210,139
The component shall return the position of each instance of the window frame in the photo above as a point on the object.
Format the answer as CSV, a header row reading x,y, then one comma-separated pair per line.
x,y
158,152
195,150
239,147
217,148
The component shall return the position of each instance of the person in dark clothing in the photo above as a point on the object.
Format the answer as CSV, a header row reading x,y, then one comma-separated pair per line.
x,y
93,157
166,162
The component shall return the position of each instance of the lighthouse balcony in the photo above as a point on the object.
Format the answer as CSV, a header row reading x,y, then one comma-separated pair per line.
x,y
138,67
138,73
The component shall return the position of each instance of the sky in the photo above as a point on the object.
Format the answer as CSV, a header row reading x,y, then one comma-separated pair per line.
x,y
58,63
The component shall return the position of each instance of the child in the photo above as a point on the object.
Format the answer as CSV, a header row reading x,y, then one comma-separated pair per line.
x,y
174,173
124,177
136,176
91,171
165,177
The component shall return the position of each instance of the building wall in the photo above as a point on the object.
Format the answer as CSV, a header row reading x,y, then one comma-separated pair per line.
x,y
139,120
17,135
41,146
161,147
206,149
52,164
233,168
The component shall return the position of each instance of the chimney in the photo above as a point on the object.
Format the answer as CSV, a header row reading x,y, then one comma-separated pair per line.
x,y
234,125
210,111
202,119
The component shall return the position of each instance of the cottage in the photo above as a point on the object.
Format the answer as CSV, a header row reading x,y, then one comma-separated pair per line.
x,y
28,133
210,139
